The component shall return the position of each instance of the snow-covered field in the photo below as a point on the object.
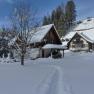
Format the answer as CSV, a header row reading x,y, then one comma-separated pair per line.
x,y
79,72
73,74
32,78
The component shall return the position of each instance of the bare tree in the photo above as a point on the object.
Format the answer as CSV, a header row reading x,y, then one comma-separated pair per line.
x,y
23,21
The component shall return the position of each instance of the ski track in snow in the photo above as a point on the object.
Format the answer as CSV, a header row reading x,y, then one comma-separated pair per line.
x,y
77,71
22,79
72,74
54,84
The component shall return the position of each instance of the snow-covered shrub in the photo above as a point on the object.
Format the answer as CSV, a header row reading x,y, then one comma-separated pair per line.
x,y
6,60
4,51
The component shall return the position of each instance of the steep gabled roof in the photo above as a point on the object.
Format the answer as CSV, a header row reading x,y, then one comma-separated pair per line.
x,y
69,35
85,29
41,32
87,35
36,35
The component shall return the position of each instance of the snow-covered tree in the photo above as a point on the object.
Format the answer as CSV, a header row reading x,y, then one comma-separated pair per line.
x,y
70,14
23,21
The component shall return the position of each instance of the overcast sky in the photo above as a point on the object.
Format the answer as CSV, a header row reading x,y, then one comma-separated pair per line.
x,y
85,8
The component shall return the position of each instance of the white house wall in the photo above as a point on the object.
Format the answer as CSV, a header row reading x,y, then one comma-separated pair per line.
x,y
78,46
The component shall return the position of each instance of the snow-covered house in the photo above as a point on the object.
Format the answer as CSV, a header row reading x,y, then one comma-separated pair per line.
x,y
83,38
41,36
45,35
67,38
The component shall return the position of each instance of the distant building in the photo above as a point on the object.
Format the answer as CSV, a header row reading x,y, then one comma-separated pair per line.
x,y
82,38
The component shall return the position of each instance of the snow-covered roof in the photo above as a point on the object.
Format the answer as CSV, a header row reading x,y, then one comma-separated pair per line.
x,y
53,46
64,44
85,24
69,35
85,29
87,34
37,34
40,33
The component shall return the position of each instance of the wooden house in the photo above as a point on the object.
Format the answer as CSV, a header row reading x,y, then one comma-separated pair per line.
x,y
42,35
45,35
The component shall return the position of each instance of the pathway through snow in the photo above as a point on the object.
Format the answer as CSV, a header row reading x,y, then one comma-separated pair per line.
x,y
54,84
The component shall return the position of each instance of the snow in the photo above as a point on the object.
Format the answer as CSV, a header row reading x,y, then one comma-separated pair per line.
x,y
88,35
73,74
15,79
69,35
34,53
4,60
78,71
65,43
36,34
85,29
53,46
32,78
86,24
12,41
40,33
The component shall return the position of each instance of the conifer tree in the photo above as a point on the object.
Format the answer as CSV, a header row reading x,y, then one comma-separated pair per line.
x,y
62,17
70,14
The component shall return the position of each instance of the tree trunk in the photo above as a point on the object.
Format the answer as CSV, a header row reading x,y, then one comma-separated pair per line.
x,y
63,53
22,60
